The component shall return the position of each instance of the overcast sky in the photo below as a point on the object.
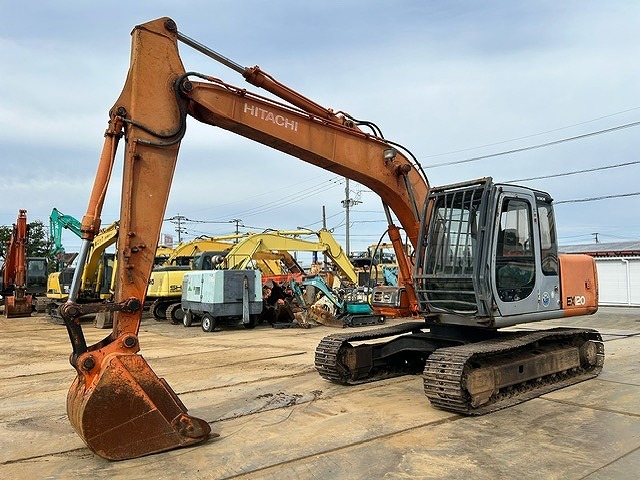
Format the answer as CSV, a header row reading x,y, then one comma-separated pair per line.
x,y
450,80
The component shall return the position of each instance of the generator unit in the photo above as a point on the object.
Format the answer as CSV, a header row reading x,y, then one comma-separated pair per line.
x,y
222,296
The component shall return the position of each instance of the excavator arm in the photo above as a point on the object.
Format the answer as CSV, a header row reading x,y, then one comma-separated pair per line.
x,y
241,254
11,260
117,404
57,222
202,244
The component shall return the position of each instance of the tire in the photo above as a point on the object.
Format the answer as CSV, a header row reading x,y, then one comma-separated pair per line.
x,y
187,320
159,309
175,313
208,323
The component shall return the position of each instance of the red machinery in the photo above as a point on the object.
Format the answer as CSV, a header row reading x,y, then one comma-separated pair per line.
x,y
16,301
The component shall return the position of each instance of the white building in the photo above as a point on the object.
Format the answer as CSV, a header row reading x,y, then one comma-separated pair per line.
x,y
618,270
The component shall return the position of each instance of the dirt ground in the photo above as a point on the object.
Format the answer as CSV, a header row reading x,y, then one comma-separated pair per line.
x,y
277,418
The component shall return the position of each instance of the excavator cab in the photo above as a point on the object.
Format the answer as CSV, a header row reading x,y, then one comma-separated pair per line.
x,y
37,272
489,276
525,263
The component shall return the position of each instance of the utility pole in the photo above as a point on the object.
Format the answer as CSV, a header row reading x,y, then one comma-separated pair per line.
x,y
324,227
178,219
324,218
237,222
347,203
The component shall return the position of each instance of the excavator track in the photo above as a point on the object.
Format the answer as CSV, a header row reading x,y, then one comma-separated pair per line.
x,y
470,377
331,353
482,377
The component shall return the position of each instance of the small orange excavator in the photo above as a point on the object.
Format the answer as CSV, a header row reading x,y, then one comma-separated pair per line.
x,y
485,258
17,303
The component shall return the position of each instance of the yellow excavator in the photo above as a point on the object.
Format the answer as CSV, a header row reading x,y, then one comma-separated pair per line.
x,y
485,258
97,275
268,252
165,284
162,254
278,245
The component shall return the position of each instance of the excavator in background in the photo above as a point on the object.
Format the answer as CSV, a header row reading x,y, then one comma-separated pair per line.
x,y
58,282
163,253
322,279
185,252
99,271
23,278
278,245
377,265
485,258
331,308
97,275
165,284
57,223
268,252
14,287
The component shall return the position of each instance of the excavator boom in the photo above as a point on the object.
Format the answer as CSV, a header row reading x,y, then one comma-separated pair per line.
x,y
191,248
145,415
241,254
57,222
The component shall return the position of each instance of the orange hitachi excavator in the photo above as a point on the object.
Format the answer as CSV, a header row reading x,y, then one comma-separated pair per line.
x,y
485,258
17,303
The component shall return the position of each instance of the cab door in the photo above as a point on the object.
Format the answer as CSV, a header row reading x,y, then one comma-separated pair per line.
x,y
524,272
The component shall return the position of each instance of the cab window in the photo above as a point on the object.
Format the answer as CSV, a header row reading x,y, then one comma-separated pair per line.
x,y
548,242
515,258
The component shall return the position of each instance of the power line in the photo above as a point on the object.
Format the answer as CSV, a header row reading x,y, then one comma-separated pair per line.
x,y
576,236
626,164
271,191
334,181
280,203
327,218
286,200
533,147
593,199
182,218
617,236
532,135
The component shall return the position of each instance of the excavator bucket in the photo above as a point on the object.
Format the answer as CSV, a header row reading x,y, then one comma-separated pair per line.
x,y
128,411
18,307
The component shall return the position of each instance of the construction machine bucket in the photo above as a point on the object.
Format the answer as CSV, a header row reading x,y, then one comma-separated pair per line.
x,y
18,306
324,317
128,412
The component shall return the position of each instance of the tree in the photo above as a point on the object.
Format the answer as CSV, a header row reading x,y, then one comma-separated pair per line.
x,y
38,244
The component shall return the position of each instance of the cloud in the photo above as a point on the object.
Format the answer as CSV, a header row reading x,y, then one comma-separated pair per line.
x,y
435,76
